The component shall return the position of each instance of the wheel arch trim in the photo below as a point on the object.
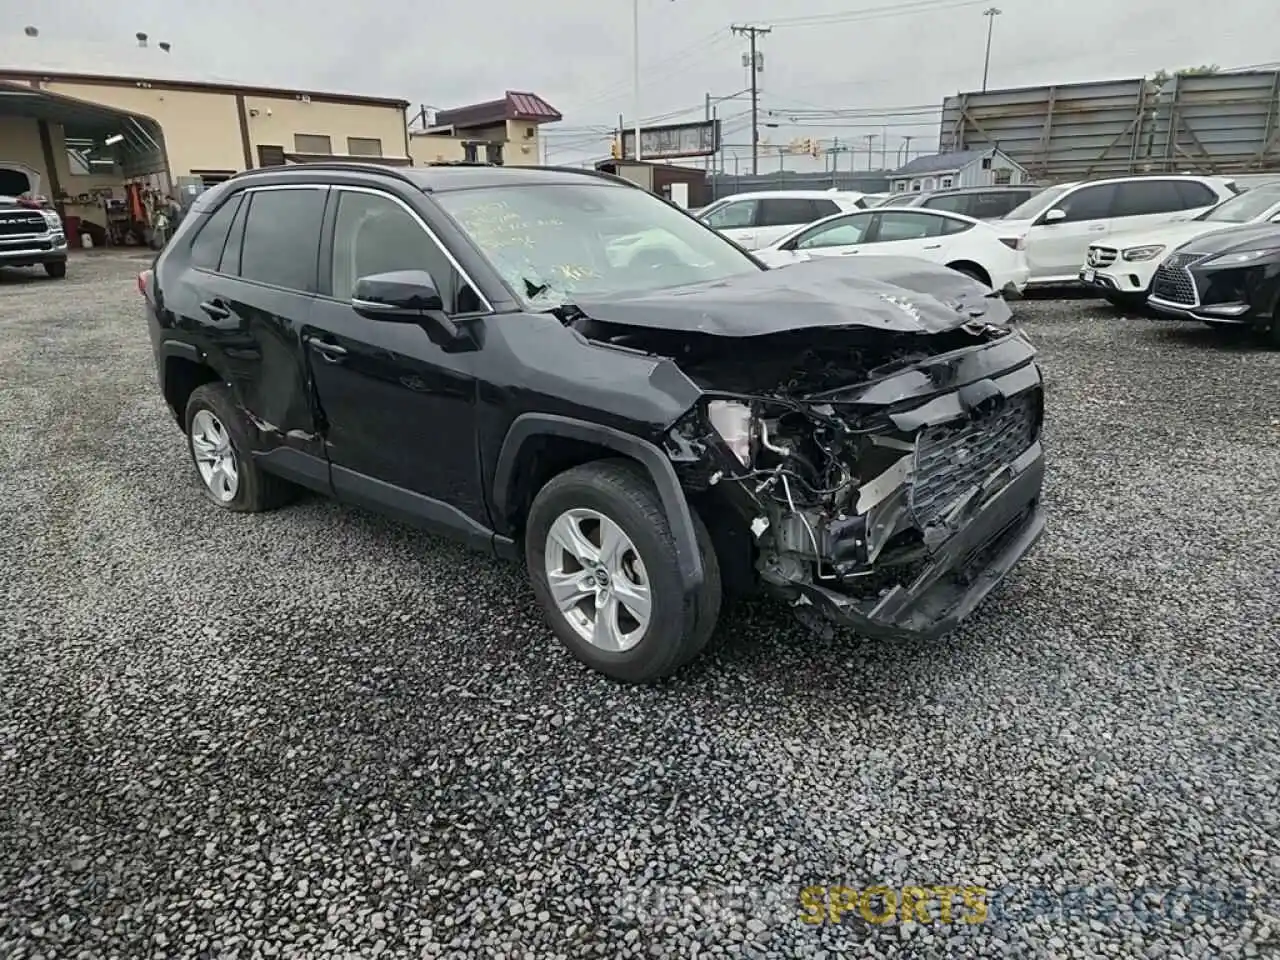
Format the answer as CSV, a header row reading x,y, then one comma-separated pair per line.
x,y
530,426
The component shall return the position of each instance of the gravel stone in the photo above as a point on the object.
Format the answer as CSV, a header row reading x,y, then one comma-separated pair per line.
x,y
318,733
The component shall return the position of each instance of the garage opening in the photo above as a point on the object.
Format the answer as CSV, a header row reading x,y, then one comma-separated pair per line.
x,y
104,170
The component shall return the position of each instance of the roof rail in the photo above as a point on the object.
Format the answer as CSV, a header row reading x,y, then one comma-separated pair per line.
x,y
353,166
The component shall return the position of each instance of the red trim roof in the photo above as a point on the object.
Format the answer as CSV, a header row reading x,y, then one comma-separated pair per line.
x,y
513,106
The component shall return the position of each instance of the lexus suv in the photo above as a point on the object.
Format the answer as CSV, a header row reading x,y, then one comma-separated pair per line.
x,y
31,235
455,346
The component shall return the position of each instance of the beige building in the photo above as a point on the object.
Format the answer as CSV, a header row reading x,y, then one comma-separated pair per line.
x,y
504,131
83,123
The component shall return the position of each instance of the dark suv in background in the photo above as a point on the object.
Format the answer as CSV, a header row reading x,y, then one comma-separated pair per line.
x,y
471,349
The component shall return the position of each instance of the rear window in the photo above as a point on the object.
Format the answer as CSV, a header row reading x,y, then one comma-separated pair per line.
x,y
788,211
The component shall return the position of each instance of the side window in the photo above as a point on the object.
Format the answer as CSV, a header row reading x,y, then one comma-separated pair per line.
x,y
1087,203
374,234
206,247
837,233
825,208
786,212
282,238
1142,197
1195,194
951,202
951,227
740,213
994,204
230,263
908,226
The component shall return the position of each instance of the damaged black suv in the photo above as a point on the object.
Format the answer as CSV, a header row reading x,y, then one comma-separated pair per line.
x,y
558,364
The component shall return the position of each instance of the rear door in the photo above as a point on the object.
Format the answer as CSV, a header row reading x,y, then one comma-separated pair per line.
x,y
1150,202
249,292
839,237
908,233
780,215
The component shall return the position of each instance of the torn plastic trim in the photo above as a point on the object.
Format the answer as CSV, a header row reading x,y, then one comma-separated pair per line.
x,y
950,587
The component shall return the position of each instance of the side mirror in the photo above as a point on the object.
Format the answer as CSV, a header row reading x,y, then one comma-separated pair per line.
x,y
404,296
1056,215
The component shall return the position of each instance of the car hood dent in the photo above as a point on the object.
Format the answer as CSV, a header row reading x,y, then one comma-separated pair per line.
x,y
893,294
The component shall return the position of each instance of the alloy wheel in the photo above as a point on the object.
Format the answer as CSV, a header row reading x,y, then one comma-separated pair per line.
x,y
214,455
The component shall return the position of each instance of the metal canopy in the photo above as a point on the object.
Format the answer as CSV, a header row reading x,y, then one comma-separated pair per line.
x,y
140,152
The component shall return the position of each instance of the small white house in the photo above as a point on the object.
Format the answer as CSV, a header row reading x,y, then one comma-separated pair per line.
x,y
962,168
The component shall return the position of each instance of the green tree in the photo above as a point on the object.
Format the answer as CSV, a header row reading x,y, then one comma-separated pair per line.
x,y
1161,77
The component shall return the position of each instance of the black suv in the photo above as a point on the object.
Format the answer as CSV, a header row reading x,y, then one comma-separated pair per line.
x,y
558,365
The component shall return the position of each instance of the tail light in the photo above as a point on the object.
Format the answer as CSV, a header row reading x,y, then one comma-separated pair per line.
x,y
1014,243
144,282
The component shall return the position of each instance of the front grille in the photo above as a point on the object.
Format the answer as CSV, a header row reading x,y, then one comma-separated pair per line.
x,y
1102,256
953,457
1172,280
16,224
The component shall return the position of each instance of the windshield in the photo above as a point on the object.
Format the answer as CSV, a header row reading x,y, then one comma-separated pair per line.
x,y
1031,208
557,242
1242,208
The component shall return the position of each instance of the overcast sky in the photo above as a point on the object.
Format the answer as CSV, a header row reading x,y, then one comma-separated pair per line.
x,y
891,62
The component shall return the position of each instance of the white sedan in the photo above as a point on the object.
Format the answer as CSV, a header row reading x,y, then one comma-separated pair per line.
x,y
981,250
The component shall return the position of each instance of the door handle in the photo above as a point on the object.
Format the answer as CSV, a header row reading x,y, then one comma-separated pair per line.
x,y
216,309
330,351
1099,228
932,246
847,253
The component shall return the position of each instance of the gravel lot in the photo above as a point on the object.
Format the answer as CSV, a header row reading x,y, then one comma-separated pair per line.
x,y
317,734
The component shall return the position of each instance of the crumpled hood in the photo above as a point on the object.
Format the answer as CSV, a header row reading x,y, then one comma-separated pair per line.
x,y
893,294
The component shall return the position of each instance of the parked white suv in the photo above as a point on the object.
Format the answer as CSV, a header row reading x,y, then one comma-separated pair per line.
x,y
1122,267
1061,222
755,220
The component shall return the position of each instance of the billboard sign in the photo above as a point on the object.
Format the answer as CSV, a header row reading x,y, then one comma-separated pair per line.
x,y
672,141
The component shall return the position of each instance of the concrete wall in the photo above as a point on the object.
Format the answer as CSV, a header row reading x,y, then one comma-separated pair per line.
x,y
202,128
274,121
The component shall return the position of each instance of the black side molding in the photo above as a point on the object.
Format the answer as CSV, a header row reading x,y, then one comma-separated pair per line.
x,y
423,512
529,425
297,467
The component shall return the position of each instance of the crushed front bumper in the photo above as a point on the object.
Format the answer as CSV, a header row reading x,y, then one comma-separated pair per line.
x,y
996,533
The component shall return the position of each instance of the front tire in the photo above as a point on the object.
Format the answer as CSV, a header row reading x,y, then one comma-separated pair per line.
x,y
218,441
603,566
1127,301
56,270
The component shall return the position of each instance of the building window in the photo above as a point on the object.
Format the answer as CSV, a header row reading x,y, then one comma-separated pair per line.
x,y
312,143
530,133
946,183
1003,176
364,147
986,163
270,156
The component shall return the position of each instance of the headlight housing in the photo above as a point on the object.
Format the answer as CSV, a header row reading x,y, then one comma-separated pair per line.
x,y
1143,253
734,423
1241,258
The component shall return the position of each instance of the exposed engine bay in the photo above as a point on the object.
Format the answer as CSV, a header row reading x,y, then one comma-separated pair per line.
x,y
875,468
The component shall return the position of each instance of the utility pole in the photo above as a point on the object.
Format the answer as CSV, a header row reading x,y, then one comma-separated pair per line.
x,y
706,115
906,149
990,13
756,66
870,156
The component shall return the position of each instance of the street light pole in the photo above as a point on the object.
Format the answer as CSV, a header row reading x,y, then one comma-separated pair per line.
x,y
635,64
990,13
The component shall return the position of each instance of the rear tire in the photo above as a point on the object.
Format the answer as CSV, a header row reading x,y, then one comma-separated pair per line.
x,y
650,627
218,442
56,270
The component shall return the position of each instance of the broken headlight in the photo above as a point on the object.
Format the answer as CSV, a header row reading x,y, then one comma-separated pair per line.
x,y
734,423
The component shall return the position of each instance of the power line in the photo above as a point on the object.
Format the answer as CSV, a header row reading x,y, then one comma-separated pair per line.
x,y
888,11
756,64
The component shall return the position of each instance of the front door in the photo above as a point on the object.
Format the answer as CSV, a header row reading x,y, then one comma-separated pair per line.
x,y
397,406
1057,249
